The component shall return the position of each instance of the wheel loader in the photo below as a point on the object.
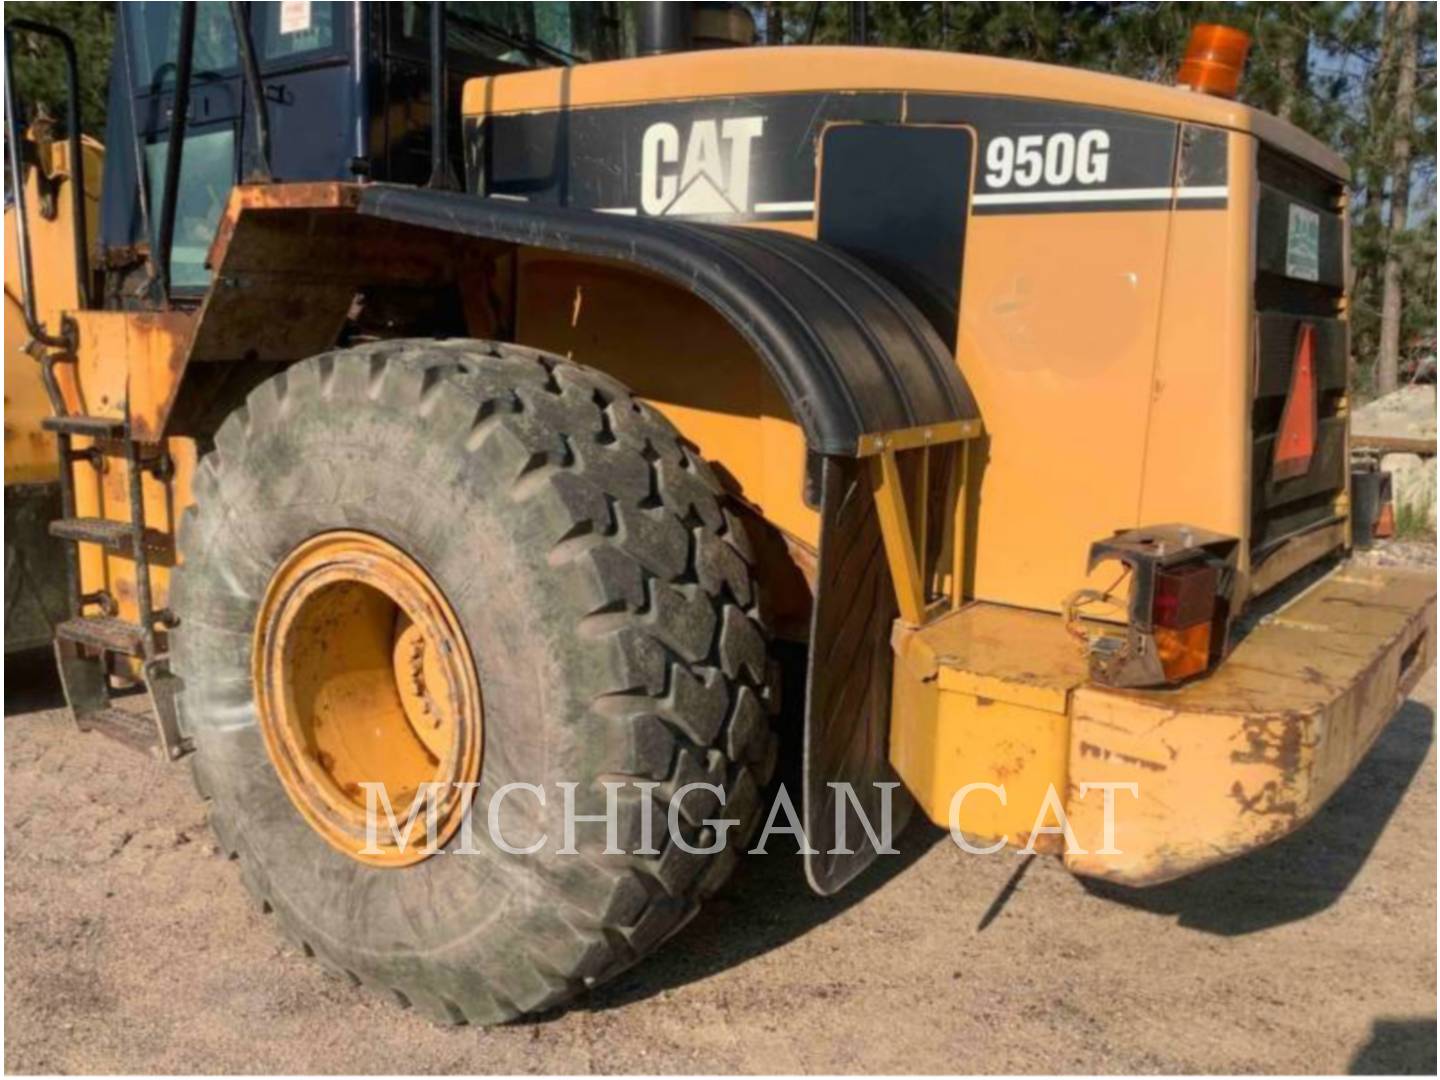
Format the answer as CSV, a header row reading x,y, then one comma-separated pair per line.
x,y
466,401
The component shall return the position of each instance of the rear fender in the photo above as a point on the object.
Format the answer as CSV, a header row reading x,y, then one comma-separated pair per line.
x,y
851,358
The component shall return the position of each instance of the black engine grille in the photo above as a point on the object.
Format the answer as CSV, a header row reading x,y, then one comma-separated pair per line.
x,y
1291,291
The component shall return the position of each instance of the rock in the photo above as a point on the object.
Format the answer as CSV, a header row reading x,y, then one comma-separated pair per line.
x,y
1409,413
1412,485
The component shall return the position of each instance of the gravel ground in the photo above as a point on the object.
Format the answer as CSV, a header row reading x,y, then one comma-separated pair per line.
x,y
1411,553
131,947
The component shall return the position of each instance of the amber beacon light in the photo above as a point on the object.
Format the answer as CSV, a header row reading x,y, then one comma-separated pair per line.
x,y
1214,60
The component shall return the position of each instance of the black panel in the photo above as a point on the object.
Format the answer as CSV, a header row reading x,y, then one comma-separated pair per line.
x,y
897,198
849,352
1292,196
1203,168
847,714
1274,530
1325,475
1290,295
1298,179
1138,153
1203,155
1273,238
731,158
599,158
1278,336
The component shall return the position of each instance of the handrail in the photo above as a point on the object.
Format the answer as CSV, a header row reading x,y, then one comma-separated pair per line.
x,y
175,149
255,89
13,136
442,176
137,150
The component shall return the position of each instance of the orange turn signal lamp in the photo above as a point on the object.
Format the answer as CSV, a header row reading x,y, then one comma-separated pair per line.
x,y
1214,60
1182,584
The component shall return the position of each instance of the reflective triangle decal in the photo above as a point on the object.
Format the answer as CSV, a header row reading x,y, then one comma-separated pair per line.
x,y
1295,441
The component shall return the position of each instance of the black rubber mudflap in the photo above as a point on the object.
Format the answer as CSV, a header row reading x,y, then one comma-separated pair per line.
x,y
847,717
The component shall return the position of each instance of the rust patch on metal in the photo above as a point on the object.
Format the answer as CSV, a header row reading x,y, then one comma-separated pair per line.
x,y
317,195
1281,815
1278,742
158,348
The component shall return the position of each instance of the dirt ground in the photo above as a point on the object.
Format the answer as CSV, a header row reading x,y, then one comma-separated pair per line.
x,y
130,946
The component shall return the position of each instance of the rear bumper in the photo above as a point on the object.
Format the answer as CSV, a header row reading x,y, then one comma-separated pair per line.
x,y
995,701
1241,758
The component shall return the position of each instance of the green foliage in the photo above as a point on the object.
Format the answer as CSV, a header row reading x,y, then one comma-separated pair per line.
x,y
1412,521
40,65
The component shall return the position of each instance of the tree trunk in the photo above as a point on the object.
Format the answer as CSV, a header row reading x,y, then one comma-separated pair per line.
x,y
1294,74
1401,19
774,24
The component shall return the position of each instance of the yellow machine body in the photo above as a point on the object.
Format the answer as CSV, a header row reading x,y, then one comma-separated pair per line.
x,y
1113,358
34,567
30,451
1107,351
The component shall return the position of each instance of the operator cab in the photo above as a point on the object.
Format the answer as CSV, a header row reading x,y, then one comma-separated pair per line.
x,y
347,90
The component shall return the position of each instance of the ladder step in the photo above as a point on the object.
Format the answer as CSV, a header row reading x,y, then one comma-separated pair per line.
x,y
104,632
113,535
135,730
97,427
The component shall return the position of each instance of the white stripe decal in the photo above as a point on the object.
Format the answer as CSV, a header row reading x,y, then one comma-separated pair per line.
x,y
1202,192
627,211
1032,198
784,207
509,198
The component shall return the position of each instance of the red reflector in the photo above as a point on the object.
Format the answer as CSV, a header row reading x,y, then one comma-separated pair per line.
x,y
1295,441
1184,595
1183,612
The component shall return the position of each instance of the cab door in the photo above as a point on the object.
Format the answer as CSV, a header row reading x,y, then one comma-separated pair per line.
x,y
149,47
305,54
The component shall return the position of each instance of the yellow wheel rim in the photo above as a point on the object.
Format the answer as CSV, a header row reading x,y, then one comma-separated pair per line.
x,y
363,676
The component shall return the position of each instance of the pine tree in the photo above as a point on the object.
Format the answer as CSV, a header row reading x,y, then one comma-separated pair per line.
x,y
1401,23
40,65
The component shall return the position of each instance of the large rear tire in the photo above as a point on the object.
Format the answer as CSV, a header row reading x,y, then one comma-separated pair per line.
x,y
607,596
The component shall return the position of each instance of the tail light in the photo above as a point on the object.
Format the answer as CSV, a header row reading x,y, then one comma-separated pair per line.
x,y
1179,608
1182,615
1214,60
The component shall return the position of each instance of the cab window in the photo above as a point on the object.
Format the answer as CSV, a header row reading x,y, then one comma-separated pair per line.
x,y
207,172
208,167
476,32
154,31
297,30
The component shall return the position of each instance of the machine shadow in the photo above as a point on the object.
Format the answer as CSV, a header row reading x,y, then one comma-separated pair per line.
x,y
1310,869
765,905
31,682
1405,1047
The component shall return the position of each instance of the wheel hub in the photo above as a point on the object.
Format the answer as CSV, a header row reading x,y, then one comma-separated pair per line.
x,y
363,676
